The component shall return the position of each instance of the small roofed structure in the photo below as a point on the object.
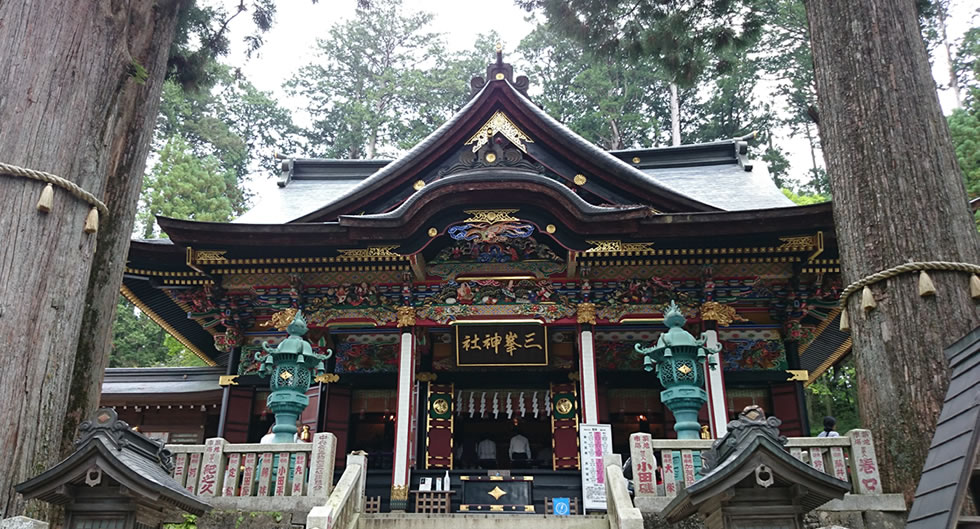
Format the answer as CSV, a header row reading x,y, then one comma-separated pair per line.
x,y
117,478
951,474
750,480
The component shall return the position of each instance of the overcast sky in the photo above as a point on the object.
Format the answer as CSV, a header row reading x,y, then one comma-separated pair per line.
x,y
290,43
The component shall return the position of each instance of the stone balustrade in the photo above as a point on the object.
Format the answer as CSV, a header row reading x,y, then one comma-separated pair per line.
x,y
291,477
341,510
850,458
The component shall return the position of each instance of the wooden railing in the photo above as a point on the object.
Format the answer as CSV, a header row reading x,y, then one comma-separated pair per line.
x,y
849,458
299,475
341,509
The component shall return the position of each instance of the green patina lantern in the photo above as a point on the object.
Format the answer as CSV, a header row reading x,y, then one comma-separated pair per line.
x,y
679,359
291,366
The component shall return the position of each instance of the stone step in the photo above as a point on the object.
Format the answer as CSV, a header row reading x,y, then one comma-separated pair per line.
x,y
479,521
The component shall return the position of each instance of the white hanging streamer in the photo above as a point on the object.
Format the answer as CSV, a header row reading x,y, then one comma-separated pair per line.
x,y
459,402
547,404
510,407
483,404
521,406
472,405
534,404
496,405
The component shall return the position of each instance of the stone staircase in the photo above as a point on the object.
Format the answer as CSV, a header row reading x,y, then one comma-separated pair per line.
x,y
479,521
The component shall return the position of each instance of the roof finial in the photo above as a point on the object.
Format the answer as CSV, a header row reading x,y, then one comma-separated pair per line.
x,y
500,47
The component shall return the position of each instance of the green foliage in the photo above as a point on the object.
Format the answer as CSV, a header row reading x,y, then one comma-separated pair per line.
x,y
964,123
137,72
615,104
834,393
804,199
684,37
202,37
231,120
185,186
137,341
190,522
381,81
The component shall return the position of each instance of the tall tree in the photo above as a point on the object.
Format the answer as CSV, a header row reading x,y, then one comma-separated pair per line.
x,y
184,186
102,66
106,87
785,58
375,86
685,37
889,154
615,104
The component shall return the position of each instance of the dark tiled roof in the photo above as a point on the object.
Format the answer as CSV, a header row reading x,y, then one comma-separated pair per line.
x,y
953,453
149,381
140,462
726,186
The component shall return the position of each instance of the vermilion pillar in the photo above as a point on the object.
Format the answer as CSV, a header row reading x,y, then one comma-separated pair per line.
x,y
715,383
587,375
400,470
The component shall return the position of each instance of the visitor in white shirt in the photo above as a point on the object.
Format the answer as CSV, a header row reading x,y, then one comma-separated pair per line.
x,y
520,450
486,452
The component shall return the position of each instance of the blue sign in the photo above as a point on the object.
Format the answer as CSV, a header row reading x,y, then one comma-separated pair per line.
x,y
561,506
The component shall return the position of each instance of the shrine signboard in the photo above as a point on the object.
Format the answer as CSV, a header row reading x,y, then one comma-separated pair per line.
x,y
595,442
502,343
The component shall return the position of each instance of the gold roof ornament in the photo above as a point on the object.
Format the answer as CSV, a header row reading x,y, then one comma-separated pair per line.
x,y
327,378
371,253
720,313
406,316
281,319
618,246
586,313
499,122
491,216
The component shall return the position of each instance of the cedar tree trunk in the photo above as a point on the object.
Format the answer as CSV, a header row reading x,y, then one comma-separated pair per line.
x,y
898,197
80,93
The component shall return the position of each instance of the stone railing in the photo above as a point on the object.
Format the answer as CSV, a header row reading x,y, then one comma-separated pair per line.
x,y
341,510
619,507
849,458
258,477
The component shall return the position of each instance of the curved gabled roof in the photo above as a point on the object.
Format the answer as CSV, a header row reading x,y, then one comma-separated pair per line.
x,y
550,139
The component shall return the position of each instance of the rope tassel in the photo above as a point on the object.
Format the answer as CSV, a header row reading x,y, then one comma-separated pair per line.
x,y
975,287
92,221
845,324
868,302
926,288
46,202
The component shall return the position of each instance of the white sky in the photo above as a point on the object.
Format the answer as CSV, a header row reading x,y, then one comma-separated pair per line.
x,y
289,44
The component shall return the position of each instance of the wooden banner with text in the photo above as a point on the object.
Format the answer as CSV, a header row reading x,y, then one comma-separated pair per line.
x,y
501,343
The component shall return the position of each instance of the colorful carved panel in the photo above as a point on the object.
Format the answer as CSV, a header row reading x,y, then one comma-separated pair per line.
x,y
617,356
366,358
502,255
564,426
496,298
439,426
752,349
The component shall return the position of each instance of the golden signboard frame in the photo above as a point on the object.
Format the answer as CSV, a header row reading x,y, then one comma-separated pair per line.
x,y
544,328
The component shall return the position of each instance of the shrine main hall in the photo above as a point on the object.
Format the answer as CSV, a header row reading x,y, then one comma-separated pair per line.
x,y
491,284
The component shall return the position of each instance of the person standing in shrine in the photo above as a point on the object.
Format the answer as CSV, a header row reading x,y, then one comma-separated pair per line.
x,y
828,428
519,451
486,452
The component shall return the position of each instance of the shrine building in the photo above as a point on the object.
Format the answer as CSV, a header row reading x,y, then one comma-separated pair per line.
x,y
493,280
